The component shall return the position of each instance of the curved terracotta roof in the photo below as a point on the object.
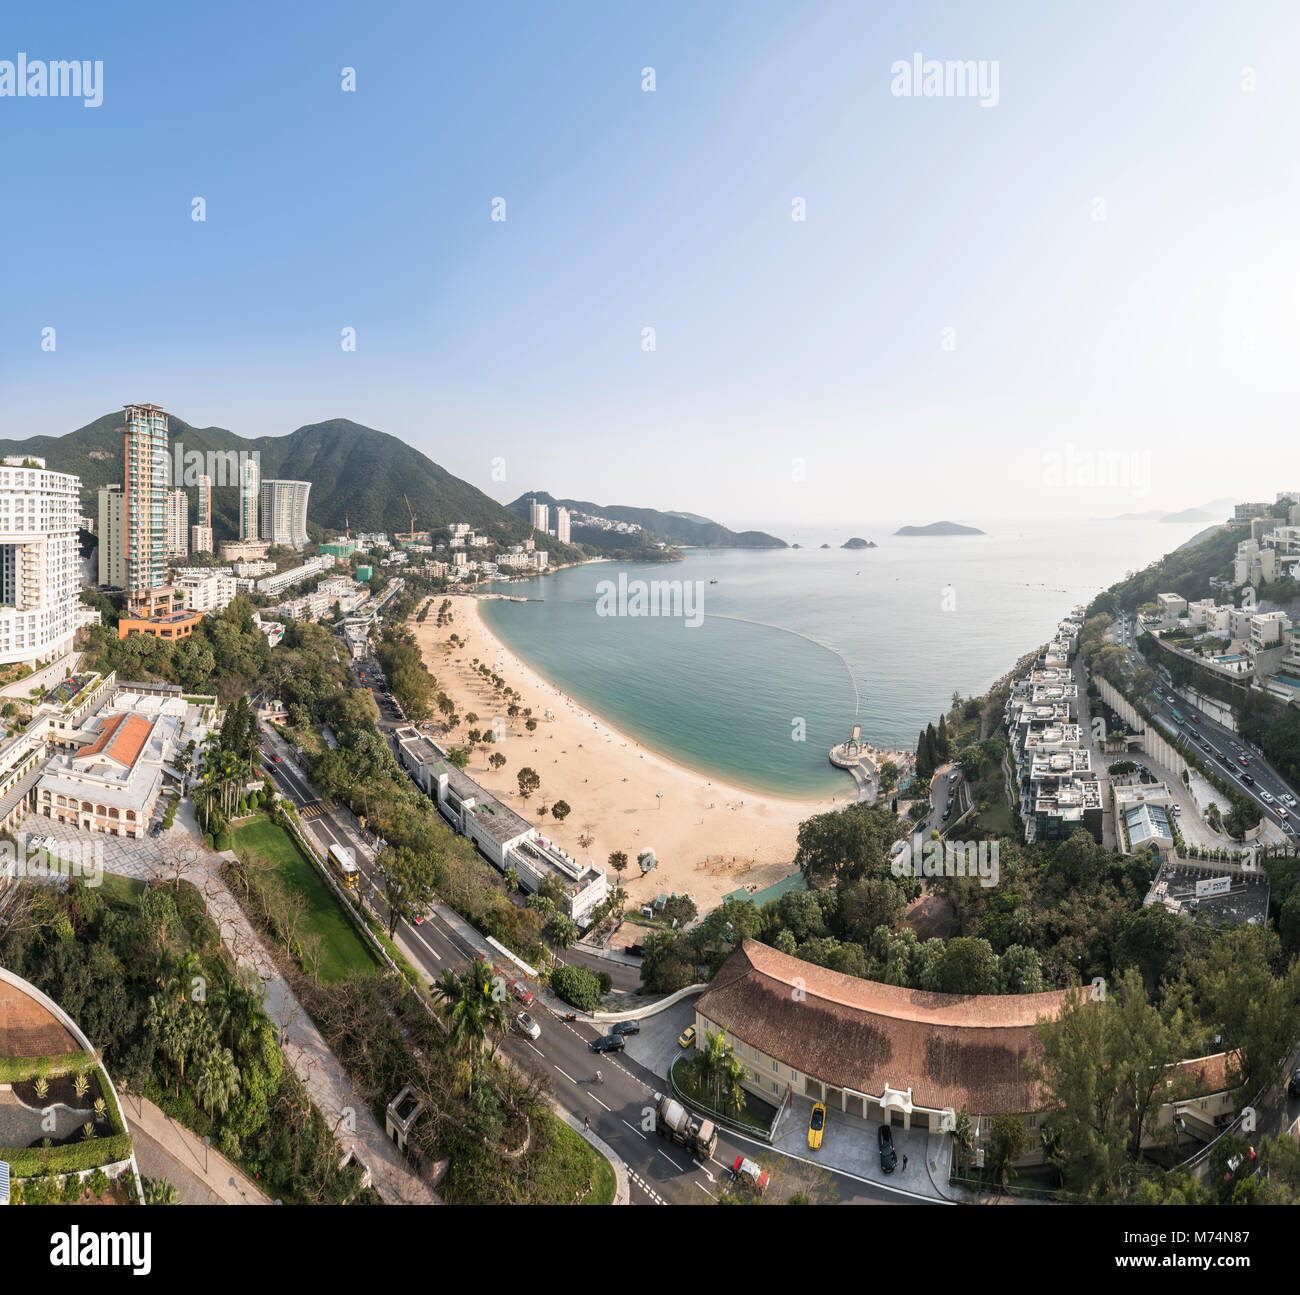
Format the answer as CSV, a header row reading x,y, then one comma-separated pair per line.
x,y
949,1049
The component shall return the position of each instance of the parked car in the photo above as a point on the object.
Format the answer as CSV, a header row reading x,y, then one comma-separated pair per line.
x,y
609,1043
888,1156
816,1126
686,1037
1243,761
627,1027
1243,1165
745,1173
528,1026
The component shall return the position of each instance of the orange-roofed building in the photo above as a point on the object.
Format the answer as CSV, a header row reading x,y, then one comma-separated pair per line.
x,y
112,783
174,626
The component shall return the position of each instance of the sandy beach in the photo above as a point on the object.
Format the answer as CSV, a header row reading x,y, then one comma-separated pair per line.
x,y
709,838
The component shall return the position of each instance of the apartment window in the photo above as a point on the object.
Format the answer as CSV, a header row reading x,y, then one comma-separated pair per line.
x,y
774,1069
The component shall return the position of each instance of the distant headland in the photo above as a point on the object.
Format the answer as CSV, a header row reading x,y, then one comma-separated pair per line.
x,y
939,528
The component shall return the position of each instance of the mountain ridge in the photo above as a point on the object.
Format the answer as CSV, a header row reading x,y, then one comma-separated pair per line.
x,y
359,475
678,529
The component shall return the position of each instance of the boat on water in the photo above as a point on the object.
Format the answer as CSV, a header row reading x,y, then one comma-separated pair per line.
x,y
714,581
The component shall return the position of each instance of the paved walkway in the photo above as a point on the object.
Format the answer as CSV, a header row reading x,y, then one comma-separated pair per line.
x,y
342,1107
167,1149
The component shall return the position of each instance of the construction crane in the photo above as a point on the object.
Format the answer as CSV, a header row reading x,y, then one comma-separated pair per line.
x,y
409,509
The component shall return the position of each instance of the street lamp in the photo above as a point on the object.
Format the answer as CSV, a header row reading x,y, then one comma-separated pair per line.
x,y
207,1142
660,797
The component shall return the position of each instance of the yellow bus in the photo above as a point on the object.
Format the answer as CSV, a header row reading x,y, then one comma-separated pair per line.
x,y
343,867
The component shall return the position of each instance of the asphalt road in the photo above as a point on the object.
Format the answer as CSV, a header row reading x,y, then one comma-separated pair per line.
x,y
1225,750
1212,740
619,1108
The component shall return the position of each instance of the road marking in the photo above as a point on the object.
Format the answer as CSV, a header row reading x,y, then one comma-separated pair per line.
x,y
669,1158
633,1127
598,1102
570,1078
645,1187
415,931
705,1190
539,1052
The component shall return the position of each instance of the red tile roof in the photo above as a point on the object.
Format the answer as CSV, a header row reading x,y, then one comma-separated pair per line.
x,y
121,739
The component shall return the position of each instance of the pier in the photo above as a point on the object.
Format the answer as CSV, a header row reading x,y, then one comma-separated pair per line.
x,y
853,757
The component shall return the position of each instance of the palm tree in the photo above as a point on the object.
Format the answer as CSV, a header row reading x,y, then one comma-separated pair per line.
x,y
723,1073
216,1080
473,1009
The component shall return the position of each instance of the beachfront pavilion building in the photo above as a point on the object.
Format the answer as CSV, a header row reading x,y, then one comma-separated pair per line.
x,y
504,838
904,1057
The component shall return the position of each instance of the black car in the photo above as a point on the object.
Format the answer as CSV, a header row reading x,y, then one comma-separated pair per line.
x,y
610,1043
627,1027
888,1156
1293,1085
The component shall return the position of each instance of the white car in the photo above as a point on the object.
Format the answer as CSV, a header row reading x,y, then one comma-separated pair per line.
x,y
528,1026
1289,798
1265,796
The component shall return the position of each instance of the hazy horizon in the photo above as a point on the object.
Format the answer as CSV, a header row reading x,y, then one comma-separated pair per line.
x,y
1071,297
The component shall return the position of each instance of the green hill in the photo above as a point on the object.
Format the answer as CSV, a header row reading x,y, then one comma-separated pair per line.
x,y
673,528
353,469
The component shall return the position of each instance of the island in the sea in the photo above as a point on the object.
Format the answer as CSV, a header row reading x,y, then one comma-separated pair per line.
x,y
939,528
857,543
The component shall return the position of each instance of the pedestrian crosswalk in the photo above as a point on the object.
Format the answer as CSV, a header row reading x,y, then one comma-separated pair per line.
x,y
315,809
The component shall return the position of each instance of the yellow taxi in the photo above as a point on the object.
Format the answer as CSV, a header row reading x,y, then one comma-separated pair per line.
x,y
686,1037
815,1126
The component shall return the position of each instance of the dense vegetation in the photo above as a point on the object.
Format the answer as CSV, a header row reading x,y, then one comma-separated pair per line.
x,y
147,978
1185,571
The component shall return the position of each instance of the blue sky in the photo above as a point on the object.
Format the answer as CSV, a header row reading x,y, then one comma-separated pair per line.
x,y
1161,339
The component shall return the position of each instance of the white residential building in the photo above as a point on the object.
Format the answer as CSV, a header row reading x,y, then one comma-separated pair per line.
x,y
204,590
178,524
39,560
272,585
251,570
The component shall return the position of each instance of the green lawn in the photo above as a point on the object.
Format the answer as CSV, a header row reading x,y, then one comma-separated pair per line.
x,y
343,952
124,891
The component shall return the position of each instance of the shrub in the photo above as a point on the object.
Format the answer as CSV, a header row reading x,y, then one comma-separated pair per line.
x,y
578,987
